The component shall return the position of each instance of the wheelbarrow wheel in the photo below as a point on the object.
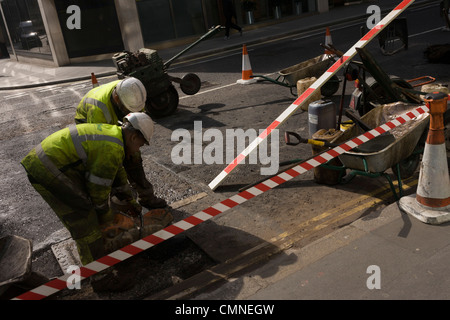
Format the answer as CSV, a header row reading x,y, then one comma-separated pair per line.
x,y
407,166
190,84
163,104
330,87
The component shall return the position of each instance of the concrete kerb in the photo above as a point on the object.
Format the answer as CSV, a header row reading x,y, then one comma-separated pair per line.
x,y
49,83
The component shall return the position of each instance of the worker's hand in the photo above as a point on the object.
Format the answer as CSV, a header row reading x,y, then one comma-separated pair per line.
x,y
134,208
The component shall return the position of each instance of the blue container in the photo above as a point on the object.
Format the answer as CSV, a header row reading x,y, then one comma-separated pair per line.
x,y
321,115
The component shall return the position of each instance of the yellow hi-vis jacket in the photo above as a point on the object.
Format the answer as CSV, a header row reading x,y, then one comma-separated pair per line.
x,y
96,106
84,159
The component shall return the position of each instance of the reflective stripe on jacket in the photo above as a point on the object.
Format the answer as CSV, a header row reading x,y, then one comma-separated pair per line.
x,y
96,106
85,159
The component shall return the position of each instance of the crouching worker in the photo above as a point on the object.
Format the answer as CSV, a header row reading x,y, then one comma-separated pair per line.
x,y
74,170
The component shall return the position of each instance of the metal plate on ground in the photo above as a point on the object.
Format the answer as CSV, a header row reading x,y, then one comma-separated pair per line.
x,y
15,259
67,254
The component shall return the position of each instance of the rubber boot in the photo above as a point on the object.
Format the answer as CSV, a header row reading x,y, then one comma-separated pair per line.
x,y
147,198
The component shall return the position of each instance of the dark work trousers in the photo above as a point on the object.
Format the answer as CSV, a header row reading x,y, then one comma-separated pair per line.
x,y
228,12
229,24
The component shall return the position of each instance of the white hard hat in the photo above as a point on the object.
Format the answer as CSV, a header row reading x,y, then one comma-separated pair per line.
x,y
142,122
132,94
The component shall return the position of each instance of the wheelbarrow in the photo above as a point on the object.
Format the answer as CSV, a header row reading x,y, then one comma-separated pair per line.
x,y
314,67
398,150
16,276
147,66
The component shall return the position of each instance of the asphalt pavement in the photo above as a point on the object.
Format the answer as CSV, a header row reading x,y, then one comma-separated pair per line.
x,y
386,255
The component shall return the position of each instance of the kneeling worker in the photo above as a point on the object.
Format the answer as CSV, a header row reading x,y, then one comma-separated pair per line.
x,y
74,170
107,104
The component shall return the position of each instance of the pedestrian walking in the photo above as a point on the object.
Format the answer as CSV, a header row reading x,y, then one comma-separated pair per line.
x,y
229,12
445,13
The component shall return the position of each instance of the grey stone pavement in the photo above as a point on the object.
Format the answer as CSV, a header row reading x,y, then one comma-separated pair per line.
x,y
388,254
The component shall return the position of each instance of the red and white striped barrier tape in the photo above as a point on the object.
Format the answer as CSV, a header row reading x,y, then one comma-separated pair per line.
x,y
122,254
316,85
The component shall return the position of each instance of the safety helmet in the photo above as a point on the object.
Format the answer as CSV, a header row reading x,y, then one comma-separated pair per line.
x,y
132,94
142,122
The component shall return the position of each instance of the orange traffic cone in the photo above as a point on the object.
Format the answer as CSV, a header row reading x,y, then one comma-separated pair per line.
x,y
431,204
94,80
246,68
328,41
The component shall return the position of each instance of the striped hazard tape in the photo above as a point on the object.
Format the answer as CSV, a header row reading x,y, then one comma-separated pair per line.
x,y
122,254
316,85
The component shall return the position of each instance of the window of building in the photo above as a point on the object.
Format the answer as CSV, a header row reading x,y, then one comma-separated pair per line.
x,y
99,30
25,27
171,19
263,10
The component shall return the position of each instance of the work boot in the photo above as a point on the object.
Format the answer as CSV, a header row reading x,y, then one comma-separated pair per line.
x,y
147,198
151,201
155,220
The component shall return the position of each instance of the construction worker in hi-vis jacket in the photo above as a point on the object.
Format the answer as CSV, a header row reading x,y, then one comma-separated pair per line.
x,y
109,103
74,170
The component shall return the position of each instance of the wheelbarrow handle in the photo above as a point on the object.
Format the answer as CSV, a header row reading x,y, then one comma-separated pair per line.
x,y
430,80
314,142
331,48
287,138
213,30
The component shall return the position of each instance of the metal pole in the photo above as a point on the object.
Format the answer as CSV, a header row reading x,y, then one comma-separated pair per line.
x,y
211,32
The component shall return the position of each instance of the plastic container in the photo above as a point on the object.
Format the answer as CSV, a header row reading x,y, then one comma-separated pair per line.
x,y
323,175
321,115
302,86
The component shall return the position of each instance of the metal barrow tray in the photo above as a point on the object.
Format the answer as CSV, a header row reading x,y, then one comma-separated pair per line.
x,y
390,148
314,67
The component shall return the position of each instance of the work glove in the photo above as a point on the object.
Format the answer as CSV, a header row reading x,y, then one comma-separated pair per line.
x,y
119,233
134,209
129,206
119,224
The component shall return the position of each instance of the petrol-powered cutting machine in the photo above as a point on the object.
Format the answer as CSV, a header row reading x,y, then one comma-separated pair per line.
x,y
147,66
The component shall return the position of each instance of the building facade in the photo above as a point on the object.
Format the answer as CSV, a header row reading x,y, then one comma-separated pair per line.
x,y
63,32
